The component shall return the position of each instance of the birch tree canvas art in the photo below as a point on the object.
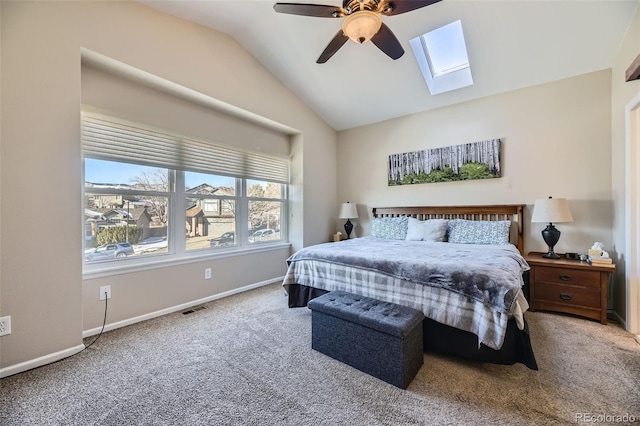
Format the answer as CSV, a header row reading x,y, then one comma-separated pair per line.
x,y
476,160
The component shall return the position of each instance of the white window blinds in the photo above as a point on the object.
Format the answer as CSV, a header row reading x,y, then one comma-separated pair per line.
x,y
105,138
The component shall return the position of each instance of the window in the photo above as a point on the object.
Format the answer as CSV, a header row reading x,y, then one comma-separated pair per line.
x,y
442,58
266,203
211,210
125,203
212,206
133,209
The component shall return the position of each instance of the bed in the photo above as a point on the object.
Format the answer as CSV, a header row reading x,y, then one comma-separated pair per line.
x,y
461,265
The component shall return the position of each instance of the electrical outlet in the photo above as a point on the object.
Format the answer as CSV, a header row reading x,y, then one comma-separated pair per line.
x,y
5,326
105,289
207,274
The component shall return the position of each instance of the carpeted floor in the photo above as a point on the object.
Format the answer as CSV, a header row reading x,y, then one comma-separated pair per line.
x,y
246,360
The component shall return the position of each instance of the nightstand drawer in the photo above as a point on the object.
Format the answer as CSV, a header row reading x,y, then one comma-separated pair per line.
x,y
572,295
568,276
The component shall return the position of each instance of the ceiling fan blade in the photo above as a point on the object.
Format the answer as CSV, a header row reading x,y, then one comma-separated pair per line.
x,y
336,43
317,10
387,42
403,6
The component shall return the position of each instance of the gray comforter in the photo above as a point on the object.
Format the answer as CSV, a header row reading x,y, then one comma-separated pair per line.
x,y
472,287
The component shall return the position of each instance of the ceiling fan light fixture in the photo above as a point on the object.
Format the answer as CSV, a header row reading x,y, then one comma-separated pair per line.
x,y
361,26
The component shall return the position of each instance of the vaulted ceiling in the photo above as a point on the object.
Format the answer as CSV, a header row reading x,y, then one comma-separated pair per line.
x,y
511,44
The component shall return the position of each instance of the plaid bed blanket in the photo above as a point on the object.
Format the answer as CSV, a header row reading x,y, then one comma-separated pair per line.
x,y
475,288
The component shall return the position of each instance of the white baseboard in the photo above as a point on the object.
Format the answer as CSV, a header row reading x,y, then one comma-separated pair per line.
x,y
124,323
39,362
617,317
57,356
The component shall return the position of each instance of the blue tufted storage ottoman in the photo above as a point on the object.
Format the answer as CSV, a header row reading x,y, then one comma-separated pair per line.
x,y
380,338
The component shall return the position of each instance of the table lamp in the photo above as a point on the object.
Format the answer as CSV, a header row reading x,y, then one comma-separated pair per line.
x,y
551,210
348,211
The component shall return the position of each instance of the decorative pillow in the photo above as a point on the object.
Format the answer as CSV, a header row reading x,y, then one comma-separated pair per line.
x,y
393,228
426,230
463,231
414,229
435,229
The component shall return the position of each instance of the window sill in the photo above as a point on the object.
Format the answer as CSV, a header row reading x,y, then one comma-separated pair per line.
x,y
163,261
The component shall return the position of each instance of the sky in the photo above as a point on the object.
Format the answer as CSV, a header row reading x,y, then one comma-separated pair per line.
x,y
100,171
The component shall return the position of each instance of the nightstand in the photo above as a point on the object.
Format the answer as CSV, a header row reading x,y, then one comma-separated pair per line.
x,y
569,286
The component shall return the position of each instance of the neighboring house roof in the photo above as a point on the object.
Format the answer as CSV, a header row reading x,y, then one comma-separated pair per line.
x,y
103,214
206,189
225,190
90,214
194,211
140,212
117,212
202,189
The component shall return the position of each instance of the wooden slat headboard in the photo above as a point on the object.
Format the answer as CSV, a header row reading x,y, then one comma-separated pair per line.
x,y
512,212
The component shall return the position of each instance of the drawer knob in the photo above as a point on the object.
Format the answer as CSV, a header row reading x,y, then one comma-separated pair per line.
x,y
565,277
565,296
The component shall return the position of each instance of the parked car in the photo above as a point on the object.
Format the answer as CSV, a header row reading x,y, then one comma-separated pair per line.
x,y
226,239
264,234
110,251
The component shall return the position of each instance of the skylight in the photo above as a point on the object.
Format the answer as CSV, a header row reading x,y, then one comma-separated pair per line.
x,y
442,58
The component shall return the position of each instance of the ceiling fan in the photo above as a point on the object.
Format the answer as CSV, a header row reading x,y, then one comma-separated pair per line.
x,y
361,22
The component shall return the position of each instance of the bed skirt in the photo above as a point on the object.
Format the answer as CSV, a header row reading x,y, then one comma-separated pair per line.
x,y
443,339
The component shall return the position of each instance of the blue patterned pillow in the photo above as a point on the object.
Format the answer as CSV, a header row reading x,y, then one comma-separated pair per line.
x,y
393,228
463,231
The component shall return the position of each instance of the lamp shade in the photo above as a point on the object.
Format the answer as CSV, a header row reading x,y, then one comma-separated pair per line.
x,y
361,26
551,210
348,211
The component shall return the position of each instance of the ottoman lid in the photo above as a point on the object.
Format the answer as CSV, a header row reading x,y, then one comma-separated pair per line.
x,y
386,317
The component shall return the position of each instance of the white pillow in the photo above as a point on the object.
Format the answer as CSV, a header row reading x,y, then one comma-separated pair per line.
x,y
426,230
435,229
414,230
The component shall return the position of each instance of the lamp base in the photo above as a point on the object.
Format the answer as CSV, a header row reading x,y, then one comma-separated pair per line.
x,y
550,235
348,227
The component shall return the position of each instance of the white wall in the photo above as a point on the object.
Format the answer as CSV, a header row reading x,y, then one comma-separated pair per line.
x,y
41,283
621,93
0,181
556,142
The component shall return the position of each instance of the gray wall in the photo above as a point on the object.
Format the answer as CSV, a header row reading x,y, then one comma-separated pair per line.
x,y
556,141
579,121
43,288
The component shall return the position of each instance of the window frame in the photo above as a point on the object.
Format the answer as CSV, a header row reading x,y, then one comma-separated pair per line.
x,y
446,80
177,252
284,189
